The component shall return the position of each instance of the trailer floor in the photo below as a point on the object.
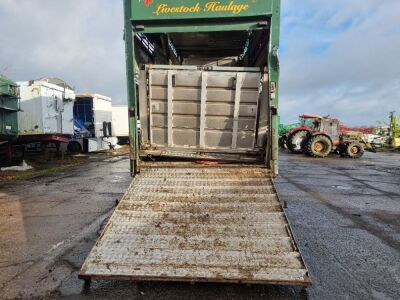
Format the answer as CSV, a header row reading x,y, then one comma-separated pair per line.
x,y
345,215
196,223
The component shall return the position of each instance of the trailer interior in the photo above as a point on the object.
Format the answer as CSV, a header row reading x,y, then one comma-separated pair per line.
x,y
204,95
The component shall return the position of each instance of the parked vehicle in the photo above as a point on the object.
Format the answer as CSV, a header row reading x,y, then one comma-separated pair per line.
x,y
283,130
202,206
46,107
325,137
10,153
92,124
120,123
394,132
294,138
45,119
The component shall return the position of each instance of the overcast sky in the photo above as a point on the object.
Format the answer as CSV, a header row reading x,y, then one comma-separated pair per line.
x,y
337,57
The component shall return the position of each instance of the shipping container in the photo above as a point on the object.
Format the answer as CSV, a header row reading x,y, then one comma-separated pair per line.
x,y
203,81
46,107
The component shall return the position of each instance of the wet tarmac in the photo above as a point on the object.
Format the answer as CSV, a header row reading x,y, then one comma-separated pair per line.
x,y
345,215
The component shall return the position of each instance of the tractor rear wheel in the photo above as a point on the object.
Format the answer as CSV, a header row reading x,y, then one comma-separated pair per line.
x,y
354,150
318,146
283,142
295,141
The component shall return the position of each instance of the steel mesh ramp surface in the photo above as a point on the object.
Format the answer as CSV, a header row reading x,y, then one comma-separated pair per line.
x,y
220,224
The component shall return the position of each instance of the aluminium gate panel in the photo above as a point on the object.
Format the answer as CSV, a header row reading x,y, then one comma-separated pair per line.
x,y
202,109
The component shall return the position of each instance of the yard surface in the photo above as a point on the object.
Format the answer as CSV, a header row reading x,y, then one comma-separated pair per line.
x,y
345,215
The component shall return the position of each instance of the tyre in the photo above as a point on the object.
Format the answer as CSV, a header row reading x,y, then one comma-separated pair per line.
x,y
18,155
354,150
283,142
319,146
295,141
74,147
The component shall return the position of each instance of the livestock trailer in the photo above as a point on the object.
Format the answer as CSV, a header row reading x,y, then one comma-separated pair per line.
x,y
203,80
92,123
9,107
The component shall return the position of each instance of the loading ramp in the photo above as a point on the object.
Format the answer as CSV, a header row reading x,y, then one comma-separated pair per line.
x,y
198,224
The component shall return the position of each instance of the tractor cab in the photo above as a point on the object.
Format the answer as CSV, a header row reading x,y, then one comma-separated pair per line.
x,y
307,120
327,126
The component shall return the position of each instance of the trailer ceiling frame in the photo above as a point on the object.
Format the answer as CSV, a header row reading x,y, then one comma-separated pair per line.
x,y
198,27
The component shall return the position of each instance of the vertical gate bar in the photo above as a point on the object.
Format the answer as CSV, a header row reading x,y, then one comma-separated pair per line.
x,y
130,62
203,108
170,108
150,108
238,92
274,70
263,96
259,99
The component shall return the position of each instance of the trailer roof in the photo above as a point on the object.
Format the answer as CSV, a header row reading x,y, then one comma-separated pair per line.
x,y
56,81
91,95
6,80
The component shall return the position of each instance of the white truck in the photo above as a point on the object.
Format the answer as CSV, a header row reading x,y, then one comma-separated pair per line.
x,y
92,124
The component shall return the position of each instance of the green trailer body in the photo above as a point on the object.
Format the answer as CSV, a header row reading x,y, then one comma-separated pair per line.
x,y
203,79
9,106
190,16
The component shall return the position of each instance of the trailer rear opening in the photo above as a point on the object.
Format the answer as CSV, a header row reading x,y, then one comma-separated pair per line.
x,y
203,87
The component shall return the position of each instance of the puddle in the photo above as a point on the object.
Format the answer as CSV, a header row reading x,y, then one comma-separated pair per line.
x,y
342,187
116,178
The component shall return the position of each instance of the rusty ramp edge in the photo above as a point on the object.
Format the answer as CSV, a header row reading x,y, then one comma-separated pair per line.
x,y
202,224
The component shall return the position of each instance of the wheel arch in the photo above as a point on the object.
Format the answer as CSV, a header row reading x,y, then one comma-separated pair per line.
x,y
297,129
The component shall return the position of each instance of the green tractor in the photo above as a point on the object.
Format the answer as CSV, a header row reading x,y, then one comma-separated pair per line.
x,y
394,132
283,131
326,137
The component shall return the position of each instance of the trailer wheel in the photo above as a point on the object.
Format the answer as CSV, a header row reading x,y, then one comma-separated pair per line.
x,y
74,147
354,150
18,155
319,146
295,141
